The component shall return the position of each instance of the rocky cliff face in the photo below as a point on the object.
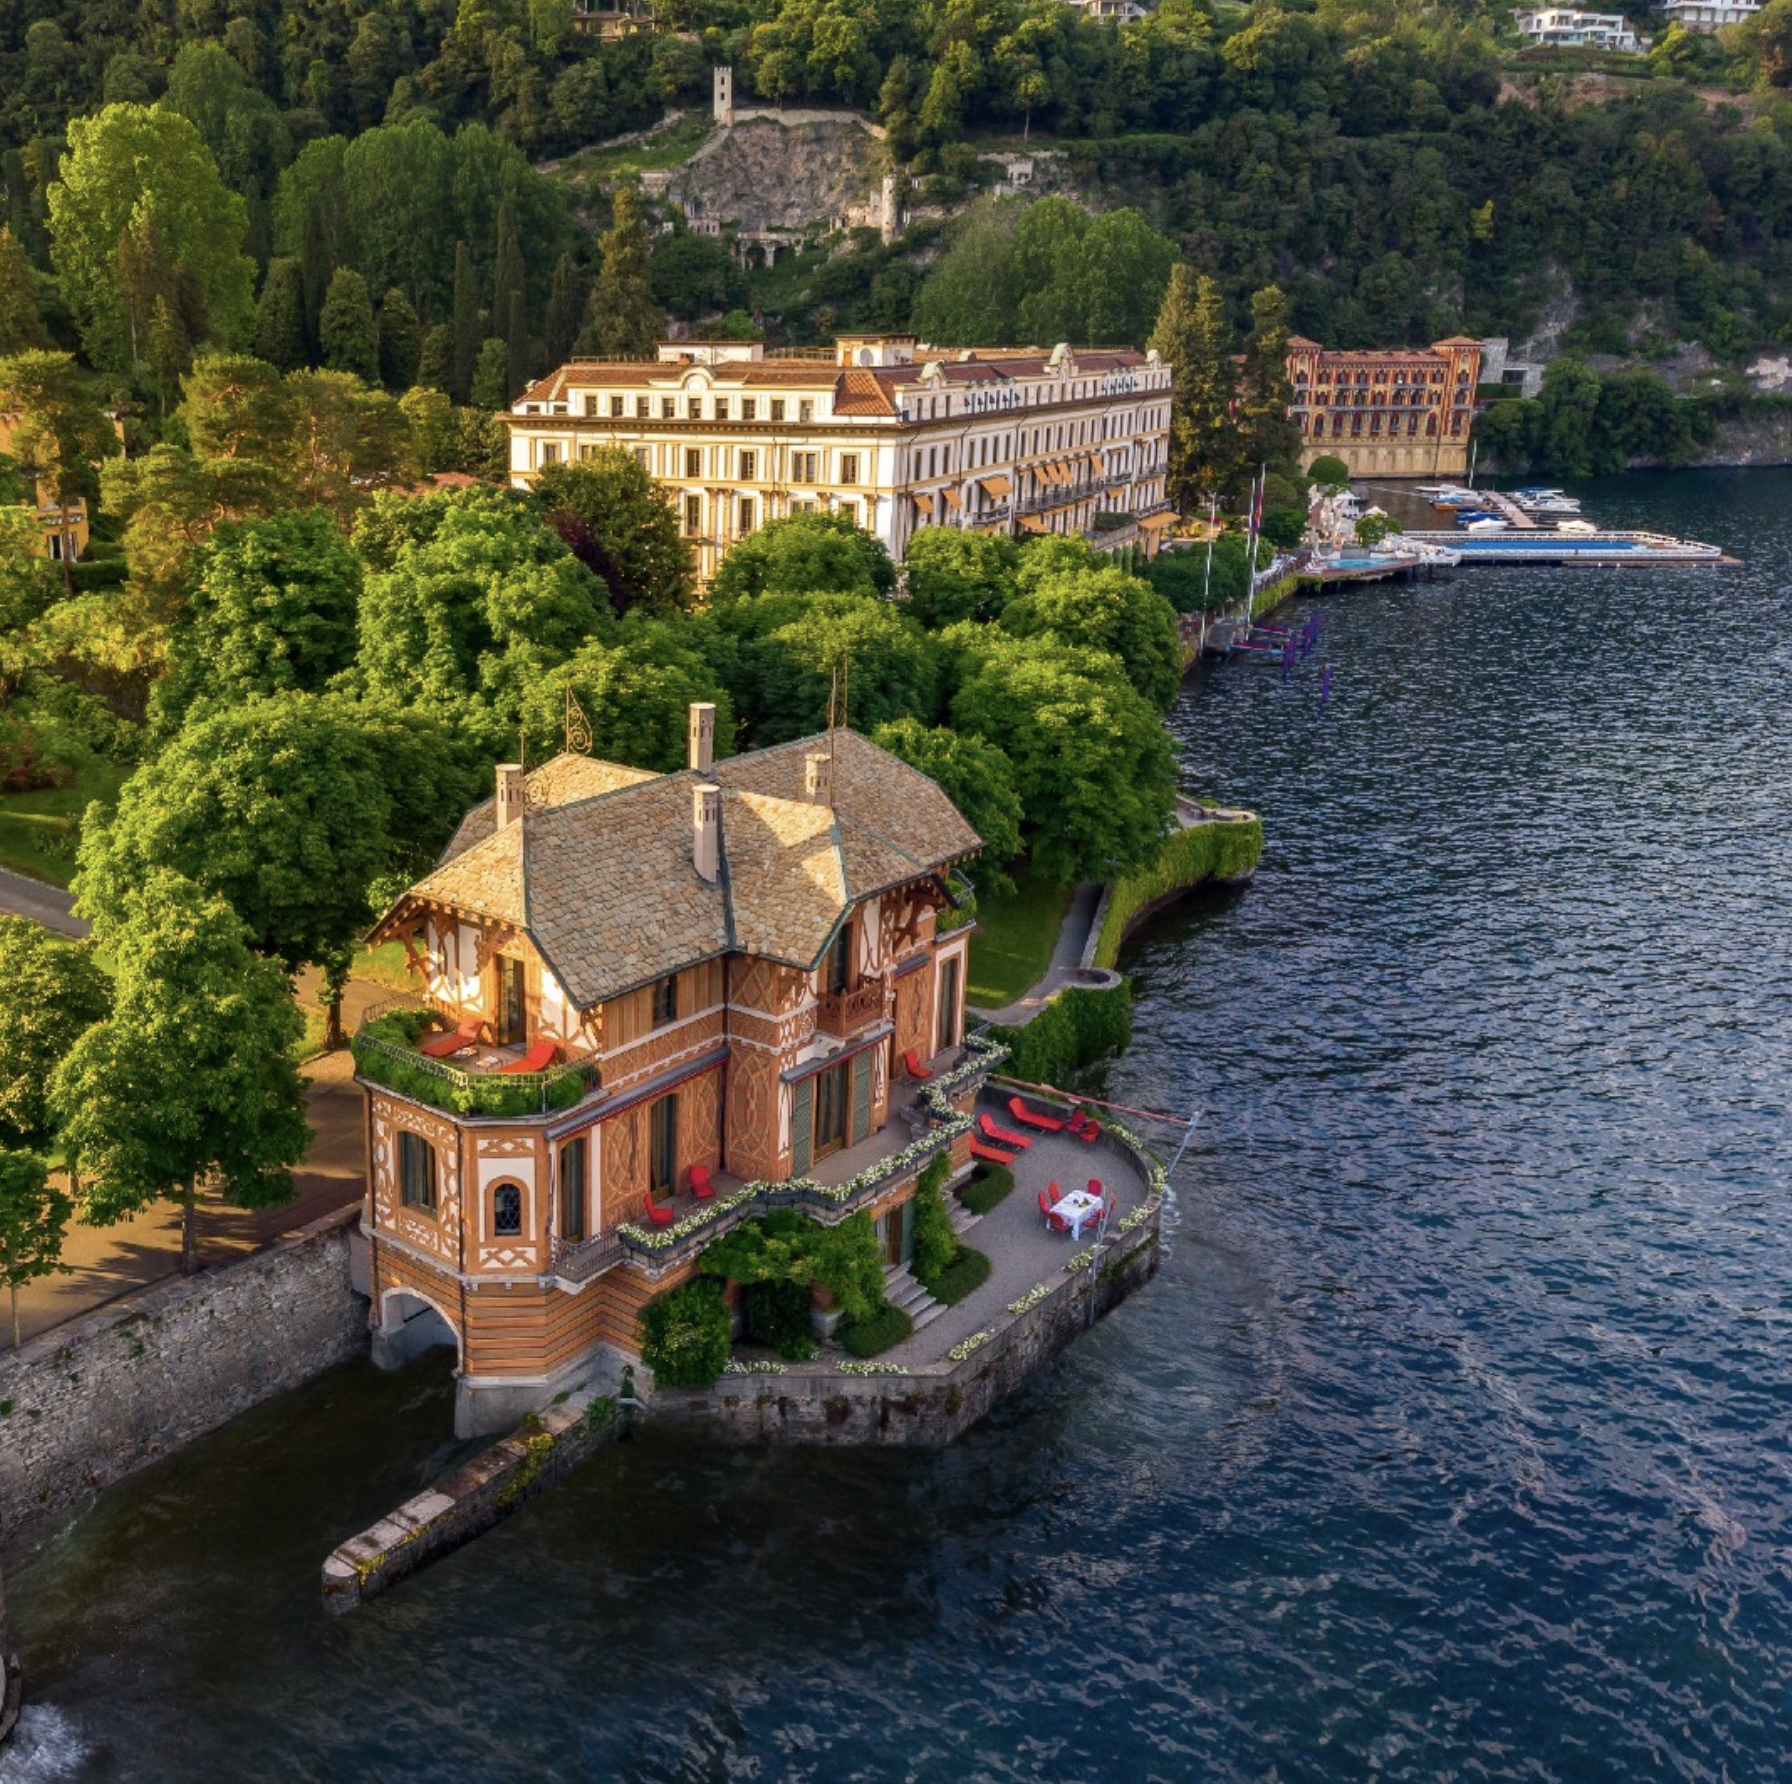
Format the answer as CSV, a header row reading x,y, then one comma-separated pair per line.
x,y
762,176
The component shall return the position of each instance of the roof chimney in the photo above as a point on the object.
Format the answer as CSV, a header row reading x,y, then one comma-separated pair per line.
x,y
706,829
818,778
703,736
512,794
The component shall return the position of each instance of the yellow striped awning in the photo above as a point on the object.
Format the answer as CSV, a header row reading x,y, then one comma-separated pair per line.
x,y
924,503
1154,523
1031,523
951,496
998,489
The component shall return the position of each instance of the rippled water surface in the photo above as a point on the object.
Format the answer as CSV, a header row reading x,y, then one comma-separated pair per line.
x,y
1451,1441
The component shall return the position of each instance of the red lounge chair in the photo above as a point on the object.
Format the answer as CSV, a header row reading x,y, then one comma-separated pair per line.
x,y
915,1068
993,1155
701,1187
439,1046
1056,1222
1003,1136
1047,1124
537,1059
658,1215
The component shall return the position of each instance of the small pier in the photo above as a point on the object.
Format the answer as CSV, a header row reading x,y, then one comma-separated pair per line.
x,y
1539,546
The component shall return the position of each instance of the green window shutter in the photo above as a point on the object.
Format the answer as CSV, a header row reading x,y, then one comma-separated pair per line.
x,y
861,1095
802,1126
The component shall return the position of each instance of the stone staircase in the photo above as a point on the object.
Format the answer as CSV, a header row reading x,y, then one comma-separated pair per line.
x,y
902,1290
961,1217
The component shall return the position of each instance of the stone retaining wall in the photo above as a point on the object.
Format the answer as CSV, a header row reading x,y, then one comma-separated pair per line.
x,y
543,1449
930,1405
89,1402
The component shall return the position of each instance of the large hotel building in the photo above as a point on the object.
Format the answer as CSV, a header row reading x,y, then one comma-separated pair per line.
x,y
1388,412
898,436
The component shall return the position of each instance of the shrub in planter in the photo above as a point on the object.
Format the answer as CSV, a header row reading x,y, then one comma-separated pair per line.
x,y
936,1244
968,1271
776,1314
988,1188
684,1334
869,1337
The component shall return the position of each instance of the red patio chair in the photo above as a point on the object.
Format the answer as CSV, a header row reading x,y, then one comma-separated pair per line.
x,y
993,1155
658,1215
1096,1189
1003,1136
1086,1129
915,1068
439,1046
1047,1124
537,1059
1056,1222
701,1186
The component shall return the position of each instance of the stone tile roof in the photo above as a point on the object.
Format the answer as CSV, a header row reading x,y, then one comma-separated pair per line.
x,y
600,869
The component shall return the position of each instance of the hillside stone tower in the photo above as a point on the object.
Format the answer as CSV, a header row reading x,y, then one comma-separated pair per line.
x,y
724,96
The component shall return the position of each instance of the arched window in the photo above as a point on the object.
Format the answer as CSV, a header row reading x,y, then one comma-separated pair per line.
x,y
507,1212
1431,425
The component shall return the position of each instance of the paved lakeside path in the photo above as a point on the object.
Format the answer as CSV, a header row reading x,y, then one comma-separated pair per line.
x,y
21,896
1066,961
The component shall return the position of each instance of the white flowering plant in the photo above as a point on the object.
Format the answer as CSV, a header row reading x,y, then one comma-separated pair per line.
x,y
969,1346
871,1369
1030,1299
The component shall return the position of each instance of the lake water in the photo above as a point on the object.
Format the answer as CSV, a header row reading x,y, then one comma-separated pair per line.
x,y
1451,1441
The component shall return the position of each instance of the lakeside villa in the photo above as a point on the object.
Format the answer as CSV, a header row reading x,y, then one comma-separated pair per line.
x,y
1386,412
645,991
893,434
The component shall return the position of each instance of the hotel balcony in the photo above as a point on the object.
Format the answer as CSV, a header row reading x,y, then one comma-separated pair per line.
x,y
844,1014
478,1078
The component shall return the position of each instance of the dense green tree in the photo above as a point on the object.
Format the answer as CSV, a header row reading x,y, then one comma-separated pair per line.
x,y
624,319
635,686
464,322
348,336
239,123
566,305
952,575
694,275
435,361
272,609
468,599
976,776
1092,761
190,1082
802,554
126,162
1270,434
1192,338
51,992
617,521
1106,611
401,341
511,277
804,655
492,388
21,320
281,334
34,1218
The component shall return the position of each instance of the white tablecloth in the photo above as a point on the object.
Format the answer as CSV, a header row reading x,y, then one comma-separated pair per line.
x,y
1079,1207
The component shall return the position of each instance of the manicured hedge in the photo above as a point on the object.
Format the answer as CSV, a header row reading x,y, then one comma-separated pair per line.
x,y
1208,851
968,1271
988,1188
684,1334
868,1337
1076,1028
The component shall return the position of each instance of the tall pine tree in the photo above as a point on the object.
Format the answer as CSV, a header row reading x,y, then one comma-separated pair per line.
x,y
468,335
625,321
280,332
347,332
512,276
401,341
1271,434
516,344
491,376
1192,337
435,364
560,329
21,321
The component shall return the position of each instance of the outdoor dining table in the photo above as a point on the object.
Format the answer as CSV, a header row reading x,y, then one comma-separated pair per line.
x,y
1079,1207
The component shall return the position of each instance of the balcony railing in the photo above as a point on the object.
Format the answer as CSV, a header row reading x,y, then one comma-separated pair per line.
x,y
384,1056
845,1013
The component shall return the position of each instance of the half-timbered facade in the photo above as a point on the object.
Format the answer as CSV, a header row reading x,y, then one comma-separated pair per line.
x,y
651,978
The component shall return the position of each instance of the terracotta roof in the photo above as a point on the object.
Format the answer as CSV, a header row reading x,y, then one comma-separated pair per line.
x,y
599,868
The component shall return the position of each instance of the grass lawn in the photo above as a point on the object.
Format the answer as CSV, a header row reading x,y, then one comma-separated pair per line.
x,y
661,148
384,965
1015,936
33,839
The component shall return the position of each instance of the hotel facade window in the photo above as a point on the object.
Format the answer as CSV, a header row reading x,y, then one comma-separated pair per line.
x,y
416,1171
889,433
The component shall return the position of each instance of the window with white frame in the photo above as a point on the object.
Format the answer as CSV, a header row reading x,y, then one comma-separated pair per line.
x,y
849,467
